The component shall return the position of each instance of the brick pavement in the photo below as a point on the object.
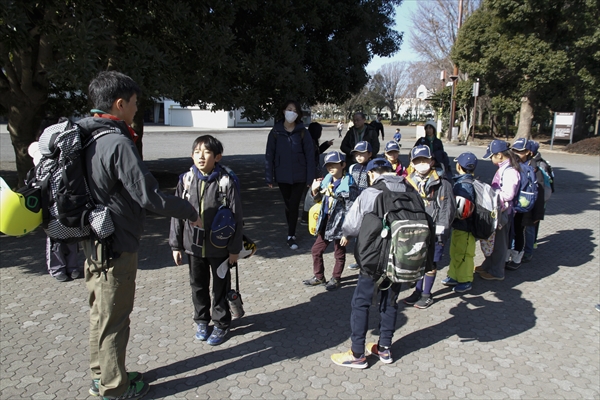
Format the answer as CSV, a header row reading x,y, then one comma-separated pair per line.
x,y
534,335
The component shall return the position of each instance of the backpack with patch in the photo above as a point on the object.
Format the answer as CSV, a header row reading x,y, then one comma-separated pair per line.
x,y
527,193
488,209
69,211
396,240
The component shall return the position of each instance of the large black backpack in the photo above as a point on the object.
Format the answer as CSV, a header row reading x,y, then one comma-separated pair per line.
x,y
69,214
396,240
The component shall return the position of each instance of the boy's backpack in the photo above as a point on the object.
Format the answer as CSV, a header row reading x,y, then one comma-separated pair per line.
x,y
69,213
488,209
396,240
527,193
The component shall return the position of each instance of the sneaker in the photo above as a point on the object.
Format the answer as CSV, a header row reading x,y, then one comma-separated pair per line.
x,y
463,287
425,301
385,355
332,284
133,378
513,266
61,277
598,307
135,391
449,282
353,266
76,274
314,281
490,277
347,359
202,332
535,245
292,242
479,269
217,336
413,298
526,258
303,222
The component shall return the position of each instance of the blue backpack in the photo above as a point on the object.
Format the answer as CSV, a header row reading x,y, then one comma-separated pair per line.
x,y
527,193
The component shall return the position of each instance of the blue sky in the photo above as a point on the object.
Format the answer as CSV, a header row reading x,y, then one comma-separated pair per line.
x,y
403,24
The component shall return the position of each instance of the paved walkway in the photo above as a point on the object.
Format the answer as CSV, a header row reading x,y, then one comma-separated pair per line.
x,y
534,335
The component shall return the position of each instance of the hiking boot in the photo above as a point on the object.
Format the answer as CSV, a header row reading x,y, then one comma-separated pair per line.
x,y
61,277
527,258
413,298
449,282
425,301
136,390
479,270
353,266
463,287
133,378
202,332
217,336
292,242
385,354
76,274
489,277
347,359
513,266
332,284
314,281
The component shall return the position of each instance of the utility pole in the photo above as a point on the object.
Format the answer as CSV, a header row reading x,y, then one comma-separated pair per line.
x,y
475,94
454,78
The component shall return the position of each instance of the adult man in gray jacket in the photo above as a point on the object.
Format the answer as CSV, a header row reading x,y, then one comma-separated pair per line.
x,y
119,180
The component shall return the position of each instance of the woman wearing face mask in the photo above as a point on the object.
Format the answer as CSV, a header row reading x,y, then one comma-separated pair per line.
x,y
290,163
439,204
440,157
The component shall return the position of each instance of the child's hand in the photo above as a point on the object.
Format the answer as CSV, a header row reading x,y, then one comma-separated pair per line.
x,y
233,258
331,142
177,256
343,241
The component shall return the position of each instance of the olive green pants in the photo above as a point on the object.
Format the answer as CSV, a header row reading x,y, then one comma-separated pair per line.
x,y
111,295
462,256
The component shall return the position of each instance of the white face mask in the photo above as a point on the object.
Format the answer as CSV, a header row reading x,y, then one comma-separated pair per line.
x,y
290,116
422,168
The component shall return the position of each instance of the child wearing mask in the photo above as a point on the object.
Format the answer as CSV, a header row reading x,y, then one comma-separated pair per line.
x,y
440,205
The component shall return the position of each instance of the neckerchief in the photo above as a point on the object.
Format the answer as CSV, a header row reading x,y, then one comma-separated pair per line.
x,y
101,114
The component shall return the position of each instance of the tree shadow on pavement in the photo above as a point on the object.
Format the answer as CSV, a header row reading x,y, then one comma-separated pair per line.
x,y
511,313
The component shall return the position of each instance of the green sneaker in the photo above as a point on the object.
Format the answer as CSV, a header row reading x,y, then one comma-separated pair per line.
x,y
133,378
135,391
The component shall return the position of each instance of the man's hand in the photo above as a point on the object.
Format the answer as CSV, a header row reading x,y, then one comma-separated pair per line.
x,y
177,256
343,241
233,258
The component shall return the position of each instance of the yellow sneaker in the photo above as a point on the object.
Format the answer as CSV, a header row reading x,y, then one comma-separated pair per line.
x,y
347,359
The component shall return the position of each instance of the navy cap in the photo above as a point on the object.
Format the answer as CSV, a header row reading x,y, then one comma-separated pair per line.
x,y
533,146
378,163
495,146
334,157
467,160
420,151
392,146
362,147
520,144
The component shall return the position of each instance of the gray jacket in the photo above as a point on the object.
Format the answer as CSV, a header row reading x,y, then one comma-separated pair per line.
x,y
365,202
119,180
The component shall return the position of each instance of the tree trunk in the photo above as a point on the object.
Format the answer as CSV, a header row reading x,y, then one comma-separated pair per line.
x,y
525,117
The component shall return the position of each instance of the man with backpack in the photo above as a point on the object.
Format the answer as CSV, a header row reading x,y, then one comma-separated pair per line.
x,y
119,180
379,176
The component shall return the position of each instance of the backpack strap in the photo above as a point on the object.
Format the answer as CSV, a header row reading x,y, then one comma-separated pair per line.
x,y
187,179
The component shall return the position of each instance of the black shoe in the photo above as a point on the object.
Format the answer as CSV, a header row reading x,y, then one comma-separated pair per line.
x,y
76,274
413,298
513,266
332,284
292,243
526,258
61,277
425,301
314,281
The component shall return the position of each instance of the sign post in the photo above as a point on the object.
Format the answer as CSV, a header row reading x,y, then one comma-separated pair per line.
x,y
562,127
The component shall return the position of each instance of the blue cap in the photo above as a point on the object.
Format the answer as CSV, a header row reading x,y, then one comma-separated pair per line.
x,y
392,146
420,151
378,163
362,147
467,160
533,146
334,157
495,146
520,144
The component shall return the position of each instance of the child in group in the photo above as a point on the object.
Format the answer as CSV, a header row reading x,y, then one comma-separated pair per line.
x,y
337,191
392,154
398,136
207,186
506,183
440,205
61,260
462,241
362,154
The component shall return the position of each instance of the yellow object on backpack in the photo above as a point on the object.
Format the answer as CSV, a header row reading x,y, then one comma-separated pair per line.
x,y
313,217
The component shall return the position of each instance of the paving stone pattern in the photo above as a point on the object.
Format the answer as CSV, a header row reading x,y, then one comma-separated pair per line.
x,y
533,335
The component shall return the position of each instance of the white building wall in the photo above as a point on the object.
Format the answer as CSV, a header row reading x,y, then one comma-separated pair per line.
x,y
198,118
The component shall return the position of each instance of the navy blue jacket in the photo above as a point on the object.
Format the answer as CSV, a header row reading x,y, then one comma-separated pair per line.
x,y
463,186
290,156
